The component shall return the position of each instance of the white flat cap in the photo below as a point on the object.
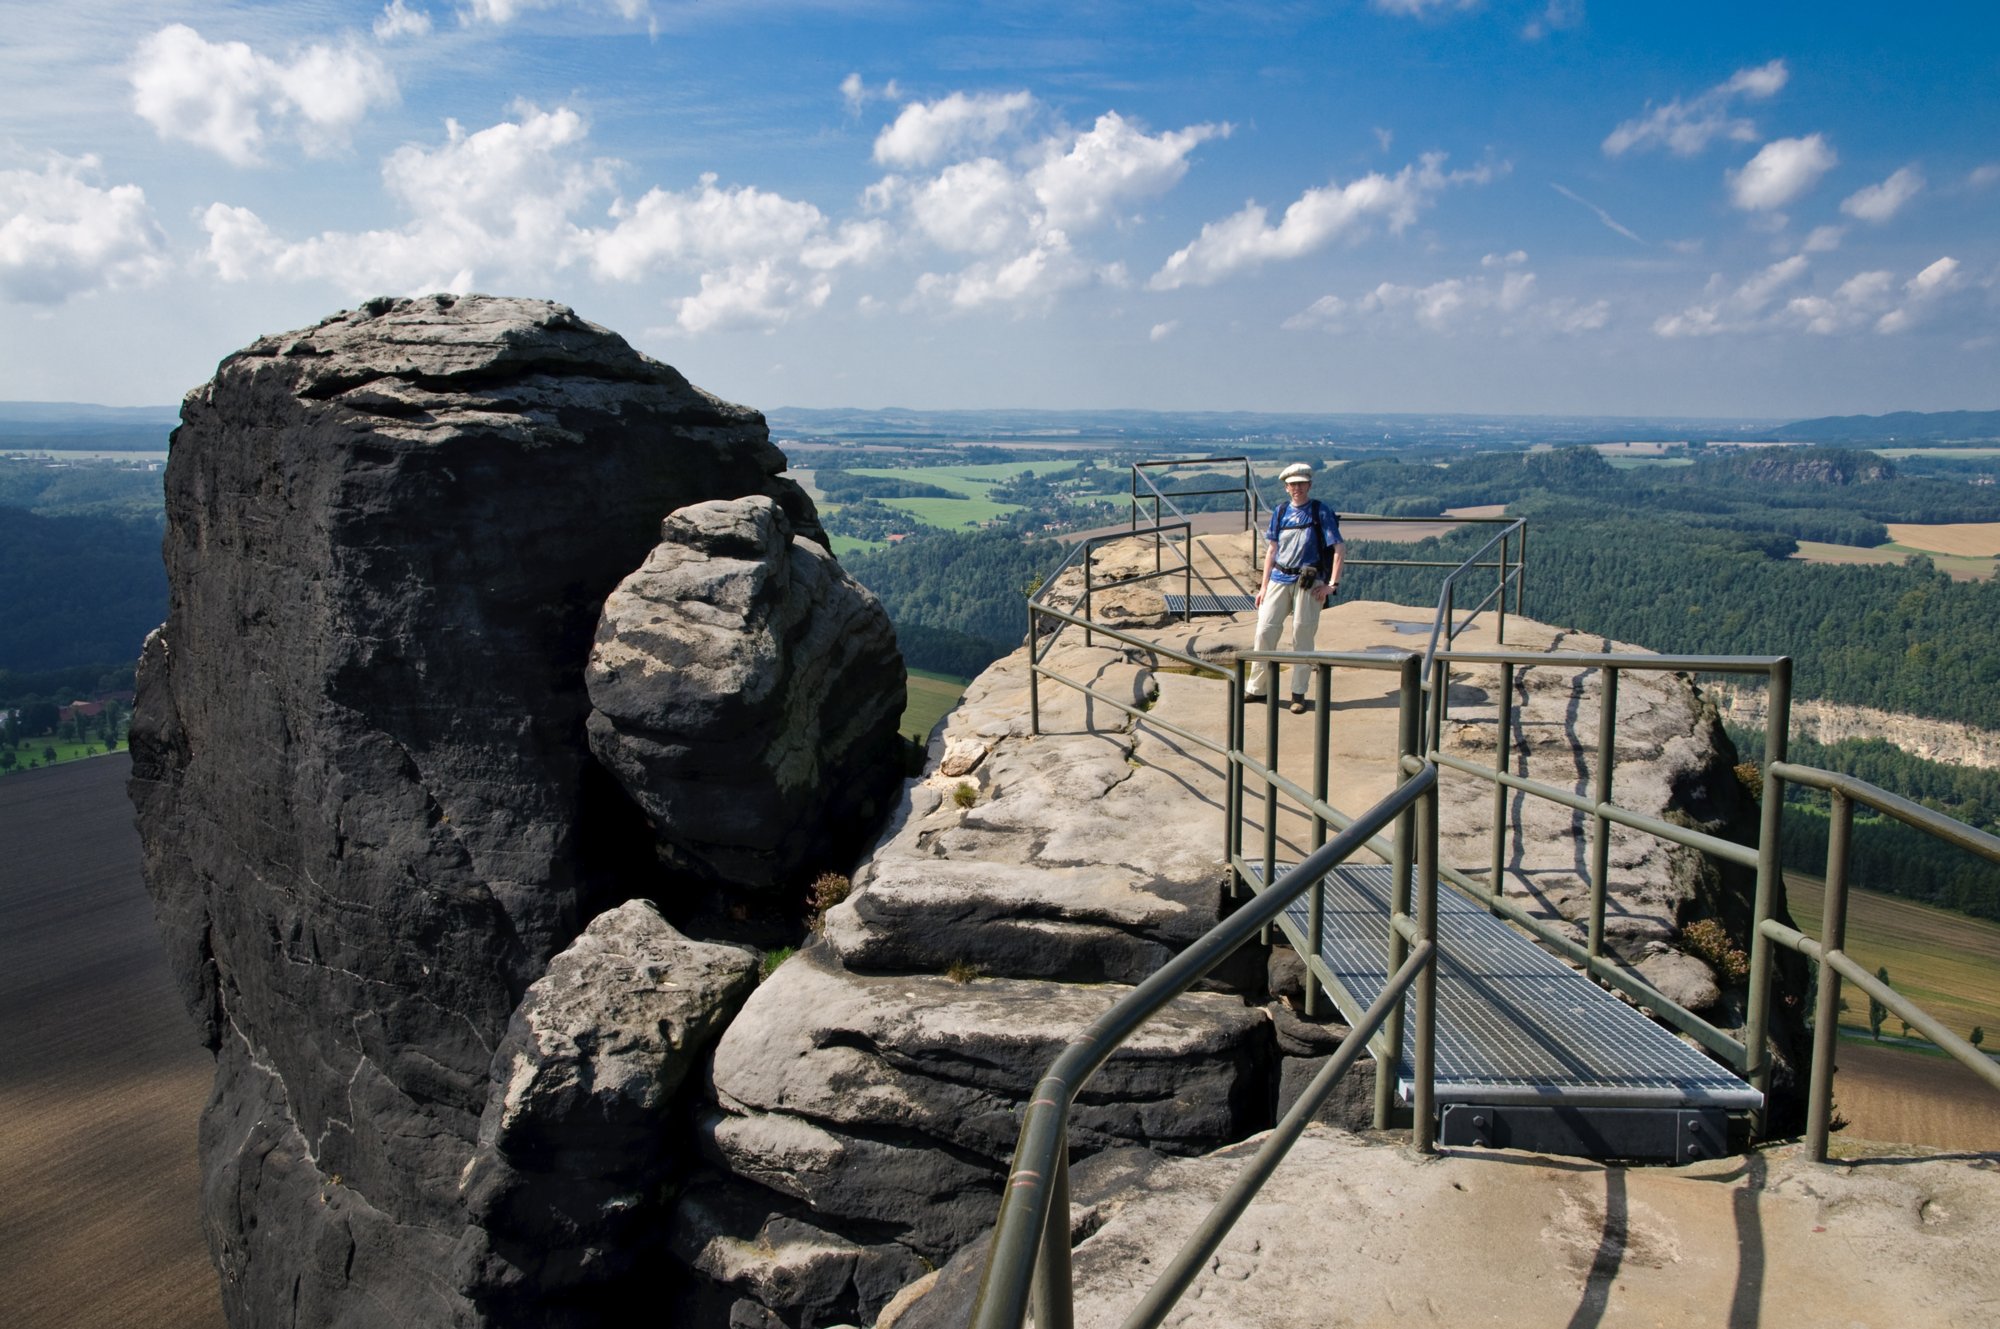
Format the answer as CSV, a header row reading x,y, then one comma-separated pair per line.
x,y
1298,470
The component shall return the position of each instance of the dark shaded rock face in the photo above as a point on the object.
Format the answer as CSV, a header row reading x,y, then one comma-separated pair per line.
x,y
732,673
369,810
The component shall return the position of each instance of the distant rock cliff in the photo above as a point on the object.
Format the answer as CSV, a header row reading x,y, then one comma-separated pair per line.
x,y
374,827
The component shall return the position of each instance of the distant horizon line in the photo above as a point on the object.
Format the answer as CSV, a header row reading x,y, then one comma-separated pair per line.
x,y
32,407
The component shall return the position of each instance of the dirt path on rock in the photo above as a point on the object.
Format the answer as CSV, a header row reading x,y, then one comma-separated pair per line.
x,y
101,1076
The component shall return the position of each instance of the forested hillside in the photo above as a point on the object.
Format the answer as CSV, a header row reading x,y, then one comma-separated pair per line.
x,y
78,591
1886,855
958,600
1695,561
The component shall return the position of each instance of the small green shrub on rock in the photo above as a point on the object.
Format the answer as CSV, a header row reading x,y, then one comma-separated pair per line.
x,y
828,890
1707,940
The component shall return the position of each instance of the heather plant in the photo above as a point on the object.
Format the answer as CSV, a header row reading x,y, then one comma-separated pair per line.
x,y
1707,940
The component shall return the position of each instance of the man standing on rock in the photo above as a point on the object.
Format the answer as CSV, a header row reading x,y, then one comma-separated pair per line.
x,y
1302,558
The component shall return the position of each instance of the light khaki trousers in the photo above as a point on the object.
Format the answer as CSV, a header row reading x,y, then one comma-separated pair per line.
x,y
1281,598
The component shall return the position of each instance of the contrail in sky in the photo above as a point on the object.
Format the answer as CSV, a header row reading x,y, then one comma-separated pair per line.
x,y
1602,215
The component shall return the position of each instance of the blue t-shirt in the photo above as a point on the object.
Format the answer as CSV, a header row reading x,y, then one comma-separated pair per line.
x,y
1304,536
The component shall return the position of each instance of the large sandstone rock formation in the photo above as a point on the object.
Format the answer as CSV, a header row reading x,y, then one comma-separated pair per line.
x,y
868,1097
372,820
733,673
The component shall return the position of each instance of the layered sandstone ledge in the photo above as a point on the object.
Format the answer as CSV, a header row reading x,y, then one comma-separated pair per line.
x,y
876,1079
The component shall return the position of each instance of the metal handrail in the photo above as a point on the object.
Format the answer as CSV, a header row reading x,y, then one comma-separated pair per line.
x,y
1083,548
1034,1217
1035,1206
1441,623
1745,1056
1830,948
1252,504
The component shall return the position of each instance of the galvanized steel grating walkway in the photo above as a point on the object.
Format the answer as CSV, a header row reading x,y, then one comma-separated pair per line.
x,y
1211,604
1514,1023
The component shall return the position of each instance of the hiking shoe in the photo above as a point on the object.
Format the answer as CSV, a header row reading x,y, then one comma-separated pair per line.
x,y
1299,705
1254,698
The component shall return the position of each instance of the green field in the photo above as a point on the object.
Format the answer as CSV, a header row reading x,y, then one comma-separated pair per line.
x,y
972,481
1956,566
931,697
31,751
1947,963
1636,463
844,545
1936,452
952,513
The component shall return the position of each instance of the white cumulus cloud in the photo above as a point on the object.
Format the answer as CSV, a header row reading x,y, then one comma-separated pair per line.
x,y
62,234
1867,300
857,94
927,132
398,20
1685,128
514,203
973,207
1455,305
1856,301
1878,203
506,11
1019,217
706,225
1248,239
493,204
1162,331
1036,275
1420,8
224,96
1734,309
763,294
1112,163
1782,170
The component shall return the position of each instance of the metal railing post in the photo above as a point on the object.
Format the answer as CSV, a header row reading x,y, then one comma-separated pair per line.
x,y
1423,1126
1408,722
1757,1019
1053,1300
1089,615
1600,790
1503,756
1502,590
1187,579
1826,1013
1238,739
1229,768
1034,677
1322,745
1270,795
1433,733
1521,576
1441,704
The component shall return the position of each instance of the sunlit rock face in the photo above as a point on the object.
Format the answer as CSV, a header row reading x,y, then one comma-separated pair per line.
x,y
370,813
747,694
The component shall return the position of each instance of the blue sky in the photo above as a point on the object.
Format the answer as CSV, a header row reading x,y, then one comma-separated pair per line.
x,y
1544,206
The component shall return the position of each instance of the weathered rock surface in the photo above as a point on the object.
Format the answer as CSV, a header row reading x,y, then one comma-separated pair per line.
x,y
1078,854
369,811
1354,1230
877,1078
572,1143
734,673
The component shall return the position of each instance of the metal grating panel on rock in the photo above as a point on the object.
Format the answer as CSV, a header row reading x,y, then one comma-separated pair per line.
x,y
1210,604
1514,1023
